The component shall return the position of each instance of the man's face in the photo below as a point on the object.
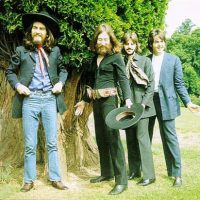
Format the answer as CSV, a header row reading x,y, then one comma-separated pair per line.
x,y
103,45
130,47
38,33
158,45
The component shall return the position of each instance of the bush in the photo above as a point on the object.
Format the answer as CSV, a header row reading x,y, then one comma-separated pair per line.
x,y
195,99
78,20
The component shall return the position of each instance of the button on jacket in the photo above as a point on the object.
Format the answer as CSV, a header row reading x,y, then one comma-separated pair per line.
x,y
21,70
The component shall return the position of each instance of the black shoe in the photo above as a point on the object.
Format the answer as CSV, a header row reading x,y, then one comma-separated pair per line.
x,y
177,182
100,179
27,187
133,176
145,182
118,189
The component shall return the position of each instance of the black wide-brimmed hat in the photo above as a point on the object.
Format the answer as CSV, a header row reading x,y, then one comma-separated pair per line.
x,y
43,17
124,117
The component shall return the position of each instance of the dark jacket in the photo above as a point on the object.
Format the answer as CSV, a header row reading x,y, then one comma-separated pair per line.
x,y
142,94
171,84
109,74
21,70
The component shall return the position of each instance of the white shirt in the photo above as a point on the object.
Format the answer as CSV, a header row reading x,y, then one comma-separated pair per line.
x,y
157,63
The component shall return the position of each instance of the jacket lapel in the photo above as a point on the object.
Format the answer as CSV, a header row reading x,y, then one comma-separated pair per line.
x,y
163,70
163,66
136,60
32,56
50,57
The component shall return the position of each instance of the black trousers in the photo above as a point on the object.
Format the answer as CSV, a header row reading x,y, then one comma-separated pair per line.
x,y
139,150
169,139
111,152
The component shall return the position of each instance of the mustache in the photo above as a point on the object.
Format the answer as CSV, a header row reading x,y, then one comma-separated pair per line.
x,y
103,49
37,35
101,45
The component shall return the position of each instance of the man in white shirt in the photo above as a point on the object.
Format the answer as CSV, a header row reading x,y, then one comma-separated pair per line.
x,y
169,84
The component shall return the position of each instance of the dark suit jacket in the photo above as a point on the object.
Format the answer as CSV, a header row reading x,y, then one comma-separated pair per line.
x,y
21,70
141,94
109,74
171,84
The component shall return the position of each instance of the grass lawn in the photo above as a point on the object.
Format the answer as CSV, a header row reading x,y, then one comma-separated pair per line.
x,y
188,130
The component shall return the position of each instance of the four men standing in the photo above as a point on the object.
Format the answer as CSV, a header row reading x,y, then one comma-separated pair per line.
x,y
37,73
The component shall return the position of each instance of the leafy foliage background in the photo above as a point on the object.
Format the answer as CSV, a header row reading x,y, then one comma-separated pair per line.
x,y
185,44
78,20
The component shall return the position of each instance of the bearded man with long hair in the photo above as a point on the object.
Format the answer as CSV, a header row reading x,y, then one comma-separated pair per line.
x,y
107,69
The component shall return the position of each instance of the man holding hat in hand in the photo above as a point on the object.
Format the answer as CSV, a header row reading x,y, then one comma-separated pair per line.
x,y
37,74
141,79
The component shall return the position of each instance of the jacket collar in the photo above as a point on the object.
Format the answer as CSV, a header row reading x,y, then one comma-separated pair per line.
x,y
32,53
135,58
151,55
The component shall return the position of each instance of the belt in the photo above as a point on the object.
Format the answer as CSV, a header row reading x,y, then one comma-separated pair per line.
x,y
41,92
99,93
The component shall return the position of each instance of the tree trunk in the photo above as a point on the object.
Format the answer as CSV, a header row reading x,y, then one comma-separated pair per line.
x,y
76,147
81,150
11,140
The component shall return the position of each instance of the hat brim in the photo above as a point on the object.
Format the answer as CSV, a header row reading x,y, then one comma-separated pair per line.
x,y
124,117
47,20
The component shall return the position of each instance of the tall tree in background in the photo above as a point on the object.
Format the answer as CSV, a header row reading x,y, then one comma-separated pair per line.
x,y
186,27
185,44
77,20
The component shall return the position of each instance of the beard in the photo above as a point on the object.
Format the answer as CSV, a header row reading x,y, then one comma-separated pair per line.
x,y
103,49
37,39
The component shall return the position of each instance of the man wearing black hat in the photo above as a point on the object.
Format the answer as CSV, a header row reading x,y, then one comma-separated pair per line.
x,y
37,74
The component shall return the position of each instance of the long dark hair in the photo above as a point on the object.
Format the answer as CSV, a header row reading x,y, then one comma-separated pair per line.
x,y
134,38
152,34
28,40
116,45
